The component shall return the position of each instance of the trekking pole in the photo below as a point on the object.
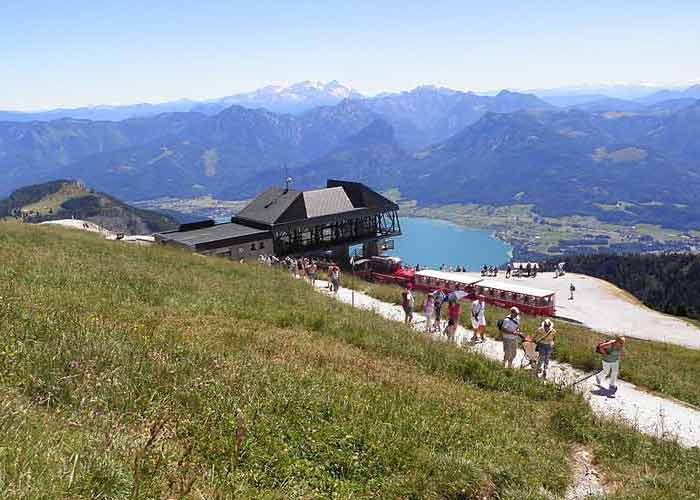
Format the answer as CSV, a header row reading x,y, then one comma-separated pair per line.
x,y
583,379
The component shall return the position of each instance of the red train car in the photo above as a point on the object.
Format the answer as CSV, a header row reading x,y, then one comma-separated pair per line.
x,y
529,300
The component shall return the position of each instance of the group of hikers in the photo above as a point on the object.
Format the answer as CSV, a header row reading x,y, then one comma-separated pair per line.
x,y
519,270
490,270
537,349
307,269
449,269
522,270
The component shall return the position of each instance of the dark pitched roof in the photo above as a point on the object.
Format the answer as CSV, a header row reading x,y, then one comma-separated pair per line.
x,y
220,235
271,205
280,206
363,197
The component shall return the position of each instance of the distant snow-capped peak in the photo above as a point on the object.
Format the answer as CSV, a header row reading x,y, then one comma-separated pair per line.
x,y
294,98
332,88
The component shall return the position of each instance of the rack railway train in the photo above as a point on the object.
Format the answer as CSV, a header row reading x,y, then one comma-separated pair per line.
x,y
389,270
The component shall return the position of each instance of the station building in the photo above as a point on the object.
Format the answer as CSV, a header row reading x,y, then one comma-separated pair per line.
x,y
285,222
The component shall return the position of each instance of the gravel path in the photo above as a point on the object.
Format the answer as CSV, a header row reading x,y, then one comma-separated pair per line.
x,y
83,225
605,308
648,413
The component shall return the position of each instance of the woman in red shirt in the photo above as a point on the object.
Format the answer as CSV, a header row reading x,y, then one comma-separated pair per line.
x,y
453,312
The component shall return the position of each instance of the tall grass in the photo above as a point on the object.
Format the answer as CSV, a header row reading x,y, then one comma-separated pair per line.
x,y
151,373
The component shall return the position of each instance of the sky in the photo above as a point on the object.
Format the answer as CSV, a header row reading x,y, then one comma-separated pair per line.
x,y
72,53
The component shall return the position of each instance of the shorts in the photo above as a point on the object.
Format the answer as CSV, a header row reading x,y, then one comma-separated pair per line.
x,y
510,347
476,323
451,321
408,309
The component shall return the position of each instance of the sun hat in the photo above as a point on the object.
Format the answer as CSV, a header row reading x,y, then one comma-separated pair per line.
x,y
514,310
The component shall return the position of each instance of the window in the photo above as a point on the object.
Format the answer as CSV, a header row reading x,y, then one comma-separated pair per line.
x,y
262,245
252,247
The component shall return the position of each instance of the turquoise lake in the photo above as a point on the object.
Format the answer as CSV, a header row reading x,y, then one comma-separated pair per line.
x,y
431,243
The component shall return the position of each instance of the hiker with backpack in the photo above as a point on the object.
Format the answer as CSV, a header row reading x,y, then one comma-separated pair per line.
x,y
544,346
510,330
612,351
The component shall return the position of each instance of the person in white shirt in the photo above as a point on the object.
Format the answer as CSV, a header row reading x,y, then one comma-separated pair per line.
x,y
479,319
510,329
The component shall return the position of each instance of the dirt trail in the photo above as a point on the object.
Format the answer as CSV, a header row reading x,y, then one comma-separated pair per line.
x,y
648,413
587,481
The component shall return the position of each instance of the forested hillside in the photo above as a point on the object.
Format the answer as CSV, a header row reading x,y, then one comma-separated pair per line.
x,y
668,283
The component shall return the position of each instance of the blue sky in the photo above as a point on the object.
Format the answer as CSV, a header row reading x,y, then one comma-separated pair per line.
x,y
68,53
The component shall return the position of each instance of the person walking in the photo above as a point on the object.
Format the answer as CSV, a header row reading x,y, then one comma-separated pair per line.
x,y
408,302
438,300
454,311
428,312
334,274
510,328
313,272
545,346
479,319
572,289
509,269
613,351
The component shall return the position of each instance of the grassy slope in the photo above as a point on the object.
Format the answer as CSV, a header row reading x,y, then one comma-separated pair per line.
x,y
150,372
664,368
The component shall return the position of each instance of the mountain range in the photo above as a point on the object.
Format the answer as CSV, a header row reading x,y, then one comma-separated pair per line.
x,y
303,96
293,99
436,145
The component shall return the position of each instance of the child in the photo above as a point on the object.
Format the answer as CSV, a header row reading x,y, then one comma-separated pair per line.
x,y
429,311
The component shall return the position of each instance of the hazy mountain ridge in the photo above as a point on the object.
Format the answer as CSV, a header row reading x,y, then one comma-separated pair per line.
x,y
295,98
571,162
427,114
562,161
303,96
